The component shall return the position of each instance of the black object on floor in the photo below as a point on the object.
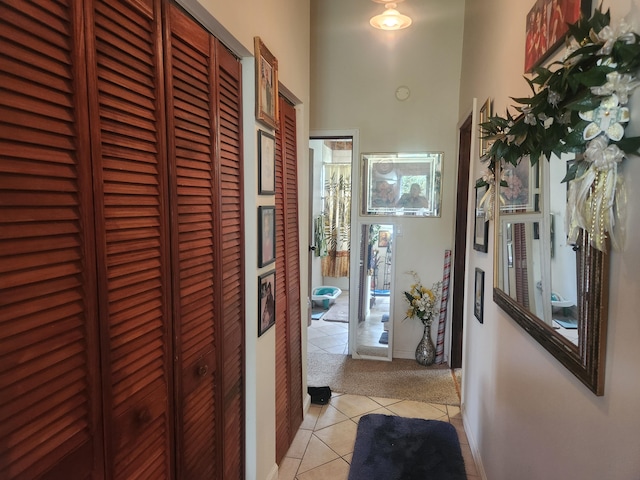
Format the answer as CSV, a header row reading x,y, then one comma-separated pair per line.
x,y
384,338
319,395
385,318
397,448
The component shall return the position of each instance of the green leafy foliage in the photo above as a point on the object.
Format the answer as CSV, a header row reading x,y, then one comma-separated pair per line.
x,y
548,122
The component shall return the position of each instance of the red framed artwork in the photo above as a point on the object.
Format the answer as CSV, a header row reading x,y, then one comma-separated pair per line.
x,y
547,27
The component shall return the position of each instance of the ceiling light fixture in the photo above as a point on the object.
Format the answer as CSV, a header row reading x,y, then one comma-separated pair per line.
x,y
390,19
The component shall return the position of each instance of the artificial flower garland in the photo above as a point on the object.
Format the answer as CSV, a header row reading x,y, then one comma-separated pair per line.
x,y
578,106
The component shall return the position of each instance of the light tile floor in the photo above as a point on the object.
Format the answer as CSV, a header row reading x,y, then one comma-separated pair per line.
x,y
333,337
328,337
324,443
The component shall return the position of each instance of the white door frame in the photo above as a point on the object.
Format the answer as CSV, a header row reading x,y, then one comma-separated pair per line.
x,y
354,134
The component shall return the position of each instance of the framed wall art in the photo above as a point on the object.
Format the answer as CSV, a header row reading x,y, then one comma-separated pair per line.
x,y
478,303
481,224
266,235
266,84
547,27
407,184
518,195
266,163
484,145
383,238
266,301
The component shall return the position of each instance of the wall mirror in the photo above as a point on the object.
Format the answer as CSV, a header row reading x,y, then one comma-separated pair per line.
x,y
374,330
401,184
557,292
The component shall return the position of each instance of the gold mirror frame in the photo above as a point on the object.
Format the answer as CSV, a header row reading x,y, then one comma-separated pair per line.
x,y
587,360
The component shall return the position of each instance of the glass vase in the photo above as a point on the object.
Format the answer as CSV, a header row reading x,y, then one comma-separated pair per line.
x,y
426,350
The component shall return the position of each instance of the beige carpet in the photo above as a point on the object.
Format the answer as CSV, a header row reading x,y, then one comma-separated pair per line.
x,y
402,379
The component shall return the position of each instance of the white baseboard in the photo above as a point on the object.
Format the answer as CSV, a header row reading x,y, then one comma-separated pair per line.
x,y
273,474
473,445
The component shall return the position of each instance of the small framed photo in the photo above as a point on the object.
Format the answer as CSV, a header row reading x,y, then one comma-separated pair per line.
x,y
484,145
478,303
266,235
383,238
519,193
481,224
266,301
267,84
266,163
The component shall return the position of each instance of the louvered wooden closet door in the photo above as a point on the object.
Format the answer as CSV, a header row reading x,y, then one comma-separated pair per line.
x,y
204,153
196,203
129,168
288,315
231,353
191,133
49,398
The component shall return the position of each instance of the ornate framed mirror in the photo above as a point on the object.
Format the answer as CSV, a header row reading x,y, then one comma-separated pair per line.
x,y
577,107
401,184
556,291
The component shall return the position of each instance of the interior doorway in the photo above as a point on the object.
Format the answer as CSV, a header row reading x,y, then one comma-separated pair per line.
x,y
330,187
350,260
464,159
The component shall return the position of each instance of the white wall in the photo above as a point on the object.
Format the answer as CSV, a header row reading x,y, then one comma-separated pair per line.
x,y
355,70
527,416
283,26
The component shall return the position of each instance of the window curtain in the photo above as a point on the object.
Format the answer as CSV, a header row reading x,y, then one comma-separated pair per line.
x,y
337,216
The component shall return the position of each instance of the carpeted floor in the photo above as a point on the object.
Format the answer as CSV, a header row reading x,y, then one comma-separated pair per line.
x,y
401,379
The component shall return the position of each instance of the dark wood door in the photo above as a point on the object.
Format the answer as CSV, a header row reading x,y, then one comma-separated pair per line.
x,y
464,159
128,142
191,130
288,313
121,245
204,125
50,393
230,274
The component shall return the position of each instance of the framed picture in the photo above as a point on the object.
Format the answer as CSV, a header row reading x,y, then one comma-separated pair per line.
x,y
478,304
547,27
383,238
406,184
266,163
481,224
267,84
484,145
518,195
266,301
266,235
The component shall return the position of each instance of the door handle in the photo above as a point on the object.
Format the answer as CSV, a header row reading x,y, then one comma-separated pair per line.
x,y
312,248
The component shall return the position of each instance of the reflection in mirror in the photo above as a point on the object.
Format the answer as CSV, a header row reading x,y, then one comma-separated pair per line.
x,y
401,184
375,286
556,291
522,264
564,286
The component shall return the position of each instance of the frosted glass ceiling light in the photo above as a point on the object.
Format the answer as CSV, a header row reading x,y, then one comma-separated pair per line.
x,y
391,19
